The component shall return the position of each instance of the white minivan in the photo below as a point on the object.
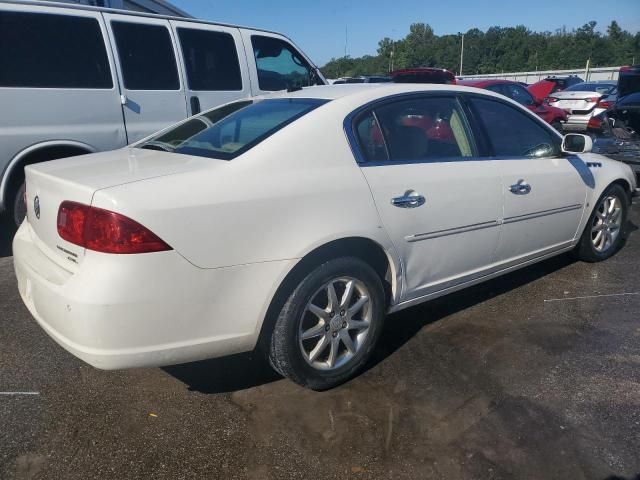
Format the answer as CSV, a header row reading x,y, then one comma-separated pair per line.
x,y
77,80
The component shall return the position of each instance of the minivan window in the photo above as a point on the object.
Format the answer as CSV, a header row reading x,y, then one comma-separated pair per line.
x,y
52,51
211,60
230,130
419,129
279,65
146,56
513,133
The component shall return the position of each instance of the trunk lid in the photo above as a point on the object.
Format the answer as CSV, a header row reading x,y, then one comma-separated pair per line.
x,y
78,178
576,102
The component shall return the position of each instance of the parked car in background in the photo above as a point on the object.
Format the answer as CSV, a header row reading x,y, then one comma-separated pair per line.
x,y
423,75
583,101
172,250
515,91
552,84
114,78
617,130
363,79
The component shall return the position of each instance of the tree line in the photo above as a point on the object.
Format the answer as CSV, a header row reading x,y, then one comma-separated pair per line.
x,y
499,49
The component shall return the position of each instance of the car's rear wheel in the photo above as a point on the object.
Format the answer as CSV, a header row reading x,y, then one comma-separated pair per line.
x,y
604,234
329,325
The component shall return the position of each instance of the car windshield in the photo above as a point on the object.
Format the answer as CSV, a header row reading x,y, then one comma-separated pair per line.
x,y
230,130
602,88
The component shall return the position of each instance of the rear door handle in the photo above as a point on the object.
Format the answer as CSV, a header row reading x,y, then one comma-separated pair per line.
x,y
410,199
195,105
520,188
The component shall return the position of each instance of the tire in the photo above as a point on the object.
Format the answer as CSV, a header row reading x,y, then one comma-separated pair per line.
x,y
323,360
18,208
604,233
15,212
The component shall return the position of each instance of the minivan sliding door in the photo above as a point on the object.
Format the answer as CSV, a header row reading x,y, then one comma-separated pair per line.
x,y
152,91
214,62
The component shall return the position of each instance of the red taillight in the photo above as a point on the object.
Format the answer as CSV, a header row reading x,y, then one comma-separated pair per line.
x,y
551,100
593,99
604,104
595,123
104,231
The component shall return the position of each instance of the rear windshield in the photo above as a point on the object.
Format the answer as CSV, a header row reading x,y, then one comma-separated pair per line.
x,y
230,130
602,88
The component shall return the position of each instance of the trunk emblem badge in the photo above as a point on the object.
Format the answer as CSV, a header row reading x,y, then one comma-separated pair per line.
x,y
36,206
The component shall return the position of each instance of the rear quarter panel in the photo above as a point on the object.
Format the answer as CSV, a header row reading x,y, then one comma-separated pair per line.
x,y
297,190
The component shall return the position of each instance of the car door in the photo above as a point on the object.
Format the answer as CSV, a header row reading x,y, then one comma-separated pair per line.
x,y
437,200
215,68
275,64
153,95
544,192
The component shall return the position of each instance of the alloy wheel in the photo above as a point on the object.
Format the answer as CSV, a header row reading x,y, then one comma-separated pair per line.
x,y
607,223
335,323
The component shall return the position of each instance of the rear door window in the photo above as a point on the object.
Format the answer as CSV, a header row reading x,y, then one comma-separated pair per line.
x,y
146,56
280,66
417,129
520,95
211,60
514,133
52,51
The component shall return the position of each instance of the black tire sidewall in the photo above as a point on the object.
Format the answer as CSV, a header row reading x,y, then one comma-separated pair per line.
x,y
284,349
587,250
18,198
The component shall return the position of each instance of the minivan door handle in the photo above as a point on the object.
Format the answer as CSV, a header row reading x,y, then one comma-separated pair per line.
x,y
195,105
520,188
410,199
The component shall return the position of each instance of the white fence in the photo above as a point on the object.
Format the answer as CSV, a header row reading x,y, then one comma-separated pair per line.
x,y
600,73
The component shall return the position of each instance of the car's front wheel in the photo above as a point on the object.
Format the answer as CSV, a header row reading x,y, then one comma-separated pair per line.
x,y
604,234
328,326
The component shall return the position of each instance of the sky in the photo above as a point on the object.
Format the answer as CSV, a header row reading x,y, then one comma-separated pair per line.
x,y
318,27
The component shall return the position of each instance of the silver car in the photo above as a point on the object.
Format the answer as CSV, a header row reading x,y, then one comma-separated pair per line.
x,y
583,101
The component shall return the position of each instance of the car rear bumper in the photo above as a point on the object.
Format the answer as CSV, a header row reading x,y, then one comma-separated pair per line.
x,y
579,122
124,311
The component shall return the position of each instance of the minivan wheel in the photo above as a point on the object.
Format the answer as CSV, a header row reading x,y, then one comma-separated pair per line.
x,y
329,325
603,235
19,208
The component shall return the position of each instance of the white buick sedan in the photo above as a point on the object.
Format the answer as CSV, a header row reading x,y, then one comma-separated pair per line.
x,y
297,221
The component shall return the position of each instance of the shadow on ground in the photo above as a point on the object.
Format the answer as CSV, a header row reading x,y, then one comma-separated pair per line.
x,y
242,371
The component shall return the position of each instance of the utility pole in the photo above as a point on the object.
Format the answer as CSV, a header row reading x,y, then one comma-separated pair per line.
x,y
461,54
346,39
586,70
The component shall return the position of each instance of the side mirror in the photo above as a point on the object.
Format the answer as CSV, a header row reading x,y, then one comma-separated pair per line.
x,y
576,143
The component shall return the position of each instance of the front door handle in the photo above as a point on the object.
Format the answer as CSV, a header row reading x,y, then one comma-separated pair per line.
x,y
410,199
520,188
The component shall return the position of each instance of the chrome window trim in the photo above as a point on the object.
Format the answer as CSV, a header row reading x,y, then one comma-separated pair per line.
x,y
352,139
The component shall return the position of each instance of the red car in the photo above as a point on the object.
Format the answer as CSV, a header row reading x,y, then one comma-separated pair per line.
x,y
552,115
549,85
